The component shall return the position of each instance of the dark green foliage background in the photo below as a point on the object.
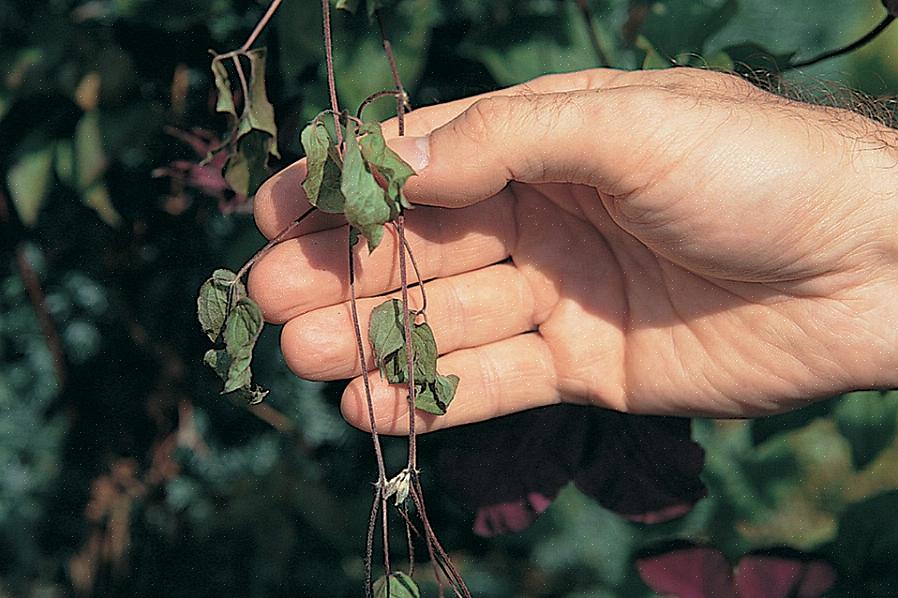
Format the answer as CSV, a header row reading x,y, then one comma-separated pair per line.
x,y
221,502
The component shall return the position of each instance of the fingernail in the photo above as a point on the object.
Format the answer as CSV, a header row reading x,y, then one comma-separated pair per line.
x,y
414,150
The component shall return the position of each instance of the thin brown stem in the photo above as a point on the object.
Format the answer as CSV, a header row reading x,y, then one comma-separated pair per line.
x,y
369,543
36,295
272,8
375,438
402,98
268,246
423,308
586,13
329,61
863,41
374,97
410,349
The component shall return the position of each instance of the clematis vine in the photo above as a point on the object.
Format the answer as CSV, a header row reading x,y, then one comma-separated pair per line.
x,y
509,470
686,570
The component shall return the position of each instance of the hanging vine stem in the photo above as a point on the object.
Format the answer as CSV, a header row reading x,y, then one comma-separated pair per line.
x,y
860,43
380,501
268,246
438,556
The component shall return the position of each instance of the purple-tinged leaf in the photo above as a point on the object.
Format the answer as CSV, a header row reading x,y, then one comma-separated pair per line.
x,y
643,467
689,572
772,576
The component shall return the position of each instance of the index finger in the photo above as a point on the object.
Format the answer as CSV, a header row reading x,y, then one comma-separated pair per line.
x,y
281,199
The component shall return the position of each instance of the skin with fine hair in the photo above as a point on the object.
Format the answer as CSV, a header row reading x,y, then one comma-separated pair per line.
x,y
672,242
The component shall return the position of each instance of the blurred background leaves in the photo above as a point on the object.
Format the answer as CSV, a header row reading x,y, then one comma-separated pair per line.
x,y
126,474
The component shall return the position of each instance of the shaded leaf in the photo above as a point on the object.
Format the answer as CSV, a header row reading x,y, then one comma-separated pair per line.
x,y
696,23
750,59
29,181
387,162
510,469
868,421
213,301
652,59
399,585
763,428
247,166
322,182
366,208
220,362
865,547
90,159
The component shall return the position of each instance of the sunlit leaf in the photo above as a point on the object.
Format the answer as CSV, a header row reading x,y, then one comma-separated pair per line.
x,y
29,182
399,585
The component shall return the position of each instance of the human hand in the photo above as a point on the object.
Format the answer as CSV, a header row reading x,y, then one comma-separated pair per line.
x,y
667,242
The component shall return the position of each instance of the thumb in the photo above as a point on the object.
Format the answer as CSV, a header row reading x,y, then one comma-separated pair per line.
x,y
571,137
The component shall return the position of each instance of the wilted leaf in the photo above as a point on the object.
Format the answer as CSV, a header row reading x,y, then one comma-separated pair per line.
x,y
385,330
225,101
213,301
247,166
322,182
218,360
398,486
367,207
435,397
242,329
29,182
259,113
399,585
387,162
868,420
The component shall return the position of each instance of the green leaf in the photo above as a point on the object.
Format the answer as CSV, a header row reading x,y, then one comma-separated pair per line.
x,y
399,585
322,182
696,22
91,162
868,420
387,162
385,331
29,182
367,207
435,397
225,101
652,59
213,301
425,353
220,362
242,328
348,5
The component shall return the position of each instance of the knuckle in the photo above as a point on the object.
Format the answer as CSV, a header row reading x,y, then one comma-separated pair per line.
x,y
483,117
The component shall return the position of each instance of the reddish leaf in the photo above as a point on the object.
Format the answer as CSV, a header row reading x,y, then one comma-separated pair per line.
x,y
771,576
510,469
690,572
